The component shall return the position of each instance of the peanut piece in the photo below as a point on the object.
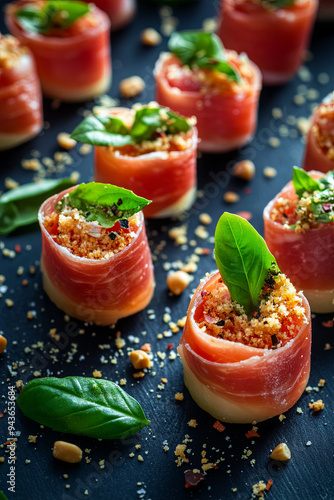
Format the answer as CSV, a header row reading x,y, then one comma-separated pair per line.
x,y
231,197
3,343
281,453
132,86
67,452
140,359
65,141
177,282
244,170
150,36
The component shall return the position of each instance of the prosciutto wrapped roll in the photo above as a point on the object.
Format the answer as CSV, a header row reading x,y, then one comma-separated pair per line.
x,y
319,149
273,36
247,339
222,95
92,272
72,50
299,231
21,114
157,161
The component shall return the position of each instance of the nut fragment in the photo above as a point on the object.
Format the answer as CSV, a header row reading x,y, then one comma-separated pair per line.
x,y
281,453
65,141
177,282
150,36
132,86
3,343
244,170
231,197
140,359
67,452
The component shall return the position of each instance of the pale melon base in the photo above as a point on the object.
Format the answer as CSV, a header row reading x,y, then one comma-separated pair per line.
x,y
220,408
320,301
180,206
102,317
78,95
223,145
8,141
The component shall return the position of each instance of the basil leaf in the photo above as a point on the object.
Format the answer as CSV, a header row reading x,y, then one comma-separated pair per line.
x,y
328,180
85,406
243,260
3,496
103,203
302,181
277,4
19,207
203,50
111,131
323,206
53,14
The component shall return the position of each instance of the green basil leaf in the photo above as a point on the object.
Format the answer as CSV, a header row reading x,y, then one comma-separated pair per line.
x,y
111,131
3,496
328,180
323,206
277,4
103,203
19,207
203,50
53,14
243,260
302,181
85,406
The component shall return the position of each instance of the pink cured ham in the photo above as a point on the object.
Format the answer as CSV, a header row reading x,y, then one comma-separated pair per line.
x,y
226,119
21,114
97,291
319,149
73,64
237,383
120,12
274,39
168,178
305,257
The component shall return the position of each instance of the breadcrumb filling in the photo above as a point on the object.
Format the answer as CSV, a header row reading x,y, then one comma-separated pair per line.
x,y
281,315
11,52
69,229
323,129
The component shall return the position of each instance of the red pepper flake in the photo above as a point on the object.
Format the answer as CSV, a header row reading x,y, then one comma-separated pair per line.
x,y
170,346
219,426
269,484
247,190
193,478
327,207
17,248
25,282
146,347
1,415
251,434
327,324
245,215
206,251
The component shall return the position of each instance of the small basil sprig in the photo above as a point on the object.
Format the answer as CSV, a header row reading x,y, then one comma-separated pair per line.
x,y
111,131
321,193
198,49
243,260
103,203
277,4
85,406
53,14
19,206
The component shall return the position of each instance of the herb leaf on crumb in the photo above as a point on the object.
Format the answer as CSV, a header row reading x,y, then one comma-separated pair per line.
x,y
103,203
277,4
111,131
303,182
243,260
90,407
198,49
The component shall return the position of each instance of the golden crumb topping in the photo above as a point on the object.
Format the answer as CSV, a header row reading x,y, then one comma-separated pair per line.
x,y
69,229
323,129
279,319
11,52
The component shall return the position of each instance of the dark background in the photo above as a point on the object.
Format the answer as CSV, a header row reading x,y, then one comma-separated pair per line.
x,y
309,473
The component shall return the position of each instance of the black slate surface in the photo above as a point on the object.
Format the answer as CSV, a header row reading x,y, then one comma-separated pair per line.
x,y
309,474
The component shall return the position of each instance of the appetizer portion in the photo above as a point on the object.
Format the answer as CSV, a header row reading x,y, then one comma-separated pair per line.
x,y
96,262
70,43
273,33
219,87
21,114
319,149
247,340
148,149
120,12
299,231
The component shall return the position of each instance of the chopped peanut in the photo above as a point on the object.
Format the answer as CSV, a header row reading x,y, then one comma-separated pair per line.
x,y
281,453
177,282
150,36
231,197
270,172
317,405
65,141
132,86
67,452
244,170
140,359
3,343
